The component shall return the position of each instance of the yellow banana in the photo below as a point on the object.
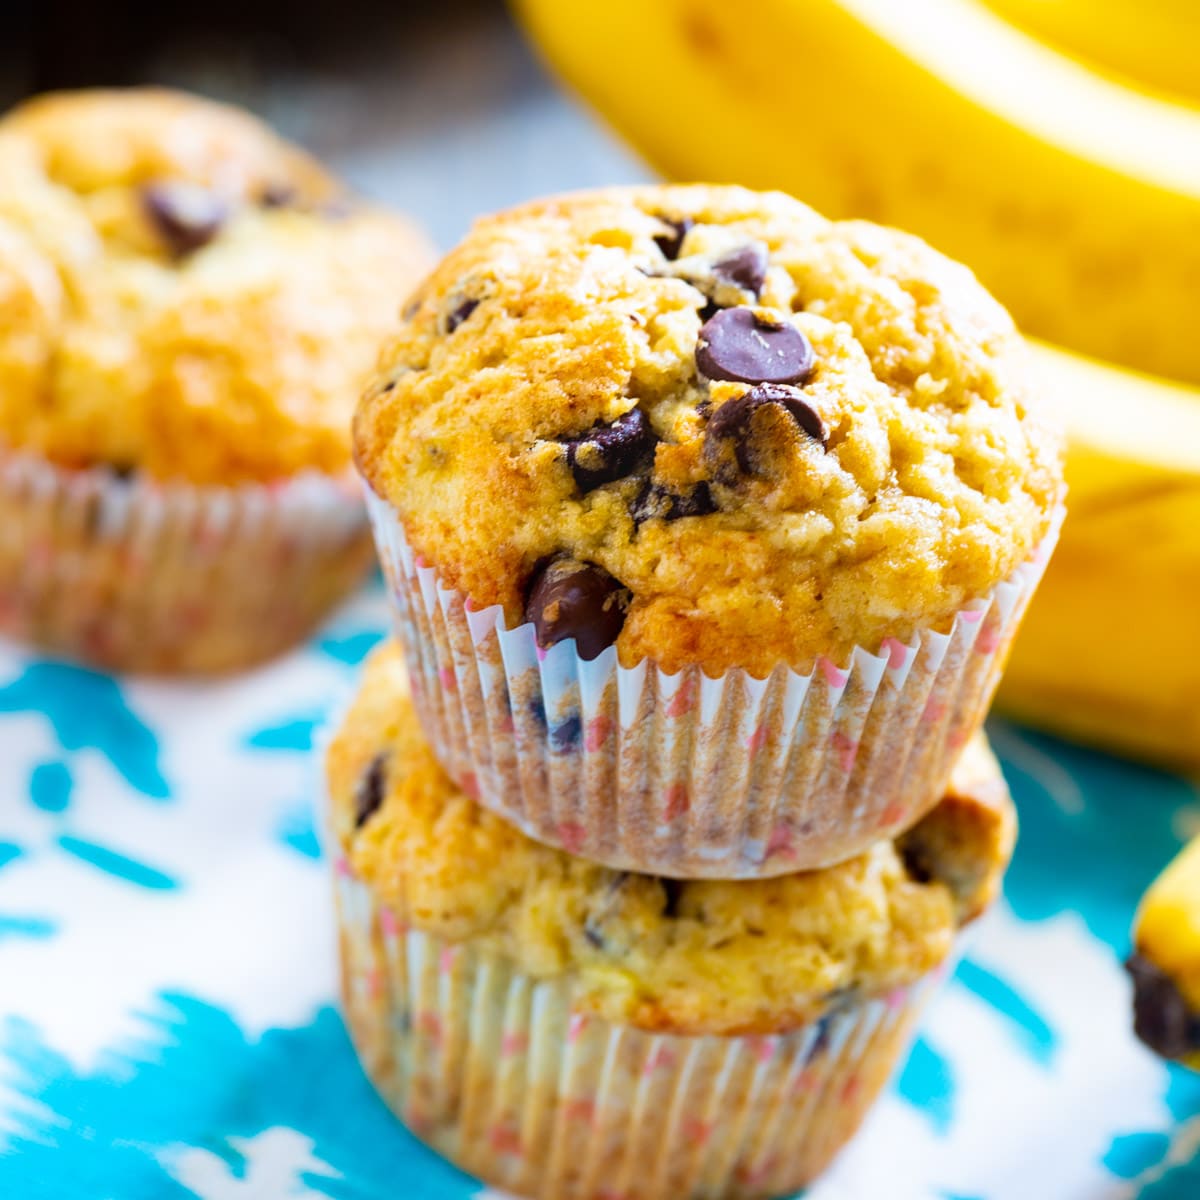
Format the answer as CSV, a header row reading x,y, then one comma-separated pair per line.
x,y
1108,650
1152,42
1075,199
1166,961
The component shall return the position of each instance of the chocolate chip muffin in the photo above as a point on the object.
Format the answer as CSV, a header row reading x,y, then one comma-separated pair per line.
x,y
191,307
559,1027
733,441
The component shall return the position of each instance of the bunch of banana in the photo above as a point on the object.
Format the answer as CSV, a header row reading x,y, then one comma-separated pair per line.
x,y
1075,197
1166,961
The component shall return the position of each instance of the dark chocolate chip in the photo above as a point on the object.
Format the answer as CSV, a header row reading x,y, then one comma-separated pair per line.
x,y
738,344
572,599
821,1042
566,736
671,243
278,195
186,215
368,796
1162,1018
918,862
607,452
122,472
459,314
654,501
672,894
735,418
745,267
537,712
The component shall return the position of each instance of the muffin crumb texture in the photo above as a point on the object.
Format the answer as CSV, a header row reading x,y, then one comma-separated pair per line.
x,y
690,957
183,293
780,436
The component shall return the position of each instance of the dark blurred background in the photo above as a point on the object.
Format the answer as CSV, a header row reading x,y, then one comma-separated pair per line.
x,y
439,108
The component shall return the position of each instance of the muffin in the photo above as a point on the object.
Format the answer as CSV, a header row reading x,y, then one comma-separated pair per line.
x,y
563,1029
709,522
189,308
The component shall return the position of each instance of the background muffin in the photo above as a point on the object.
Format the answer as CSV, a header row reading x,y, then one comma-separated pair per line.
x,y
723,434
525,1010
188,301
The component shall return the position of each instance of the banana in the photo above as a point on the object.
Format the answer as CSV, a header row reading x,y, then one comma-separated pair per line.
x,y
1166,961
1107,653
1075,199
1151,42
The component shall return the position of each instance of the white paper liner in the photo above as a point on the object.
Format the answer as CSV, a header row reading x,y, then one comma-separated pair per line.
x,y
683,775
142,576
504,1076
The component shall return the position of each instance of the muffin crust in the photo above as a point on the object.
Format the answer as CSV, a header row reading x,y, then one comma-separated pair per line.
x,y
901,472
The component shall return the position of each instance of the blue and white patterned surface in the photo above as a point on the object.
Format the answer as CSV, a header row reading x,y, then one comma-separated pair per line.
x,y
167,1017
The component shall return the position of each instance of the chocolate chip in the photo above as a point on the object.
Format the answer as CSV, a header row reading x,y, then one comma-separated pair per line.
x,y
277,195
745,267
368,796
734,420
122,472
738,344
460,313
566,736
186,215
671,243
572,599
607,452
672,894
1162,1018
656,502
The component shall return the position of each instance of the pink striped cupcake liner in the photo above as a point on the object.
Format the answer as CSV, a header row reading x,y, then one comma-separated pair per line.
x,y
136,575
685,775
505,1076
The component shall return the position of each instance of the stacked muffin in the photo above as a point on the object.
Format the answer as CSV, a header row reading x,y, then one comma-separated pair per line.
x,y
708,525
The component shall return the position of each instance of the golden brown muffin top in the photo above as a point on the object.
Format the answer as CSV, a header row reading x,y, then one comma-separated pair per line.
x,y
770,436
756,956
184,293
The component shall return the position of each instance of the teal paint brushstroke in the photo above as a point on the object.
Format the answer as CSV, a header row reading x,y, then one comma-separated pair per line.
x,y
88,712
353,648
118,865
296,733
296,830
1064,836
1032,1031
38,928
927,1083
50,786
130,1105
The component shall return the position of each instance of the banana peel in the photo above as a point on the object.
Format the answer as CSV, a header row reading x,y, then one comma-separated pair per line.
x,y
1108,653
1166,961
1075,199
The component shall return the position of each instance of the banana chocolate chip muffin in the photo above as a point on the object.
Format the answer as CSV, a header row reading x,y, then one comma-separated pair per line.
x,y
734,441
190,309
561,1028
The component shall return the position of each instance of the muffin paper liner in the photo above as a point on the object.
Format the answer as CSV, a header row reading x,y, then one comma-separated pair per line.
x,y
506,1077
686,775
142,576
